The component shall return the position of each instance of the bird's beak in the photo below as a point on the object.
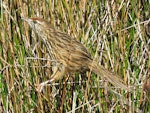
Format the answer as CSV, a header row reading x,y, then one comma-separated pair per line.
x,y
26,19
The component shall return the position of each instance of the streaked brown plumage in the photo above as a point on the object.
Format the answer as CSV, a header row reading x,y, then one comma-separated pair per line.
x,y
71,55
146,85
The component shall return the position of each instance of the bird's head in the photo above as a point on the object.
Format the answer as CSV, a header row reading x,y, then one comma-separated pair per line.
x,y
37,24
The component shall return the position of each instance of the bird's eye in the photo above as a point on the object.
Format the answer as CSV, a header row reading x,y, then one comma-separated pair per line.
x,y
35,21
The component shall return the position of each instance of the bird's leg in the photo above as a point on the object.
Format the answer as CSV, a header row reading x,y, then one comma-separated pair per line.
x,y
58,73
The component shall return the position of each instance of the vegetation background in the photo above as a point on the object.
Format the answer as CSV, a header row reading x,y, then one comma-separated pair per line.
x,y
114,33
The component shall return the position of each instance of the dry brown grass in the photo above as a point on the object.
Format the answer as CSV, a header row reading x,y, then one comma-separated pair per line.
x,y
113,32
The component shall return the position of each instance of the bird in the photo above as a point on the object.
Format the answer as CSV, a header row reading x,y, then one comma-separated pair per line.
x,y
146,85
147,28
69,54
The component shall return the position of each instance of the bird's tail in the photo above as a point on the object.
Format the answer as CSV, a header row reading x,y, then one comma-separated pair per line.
x,y
111,77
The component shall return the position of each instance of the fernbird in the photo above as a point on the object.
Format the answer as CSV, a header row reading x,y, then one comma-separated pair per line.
x,y
70,55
